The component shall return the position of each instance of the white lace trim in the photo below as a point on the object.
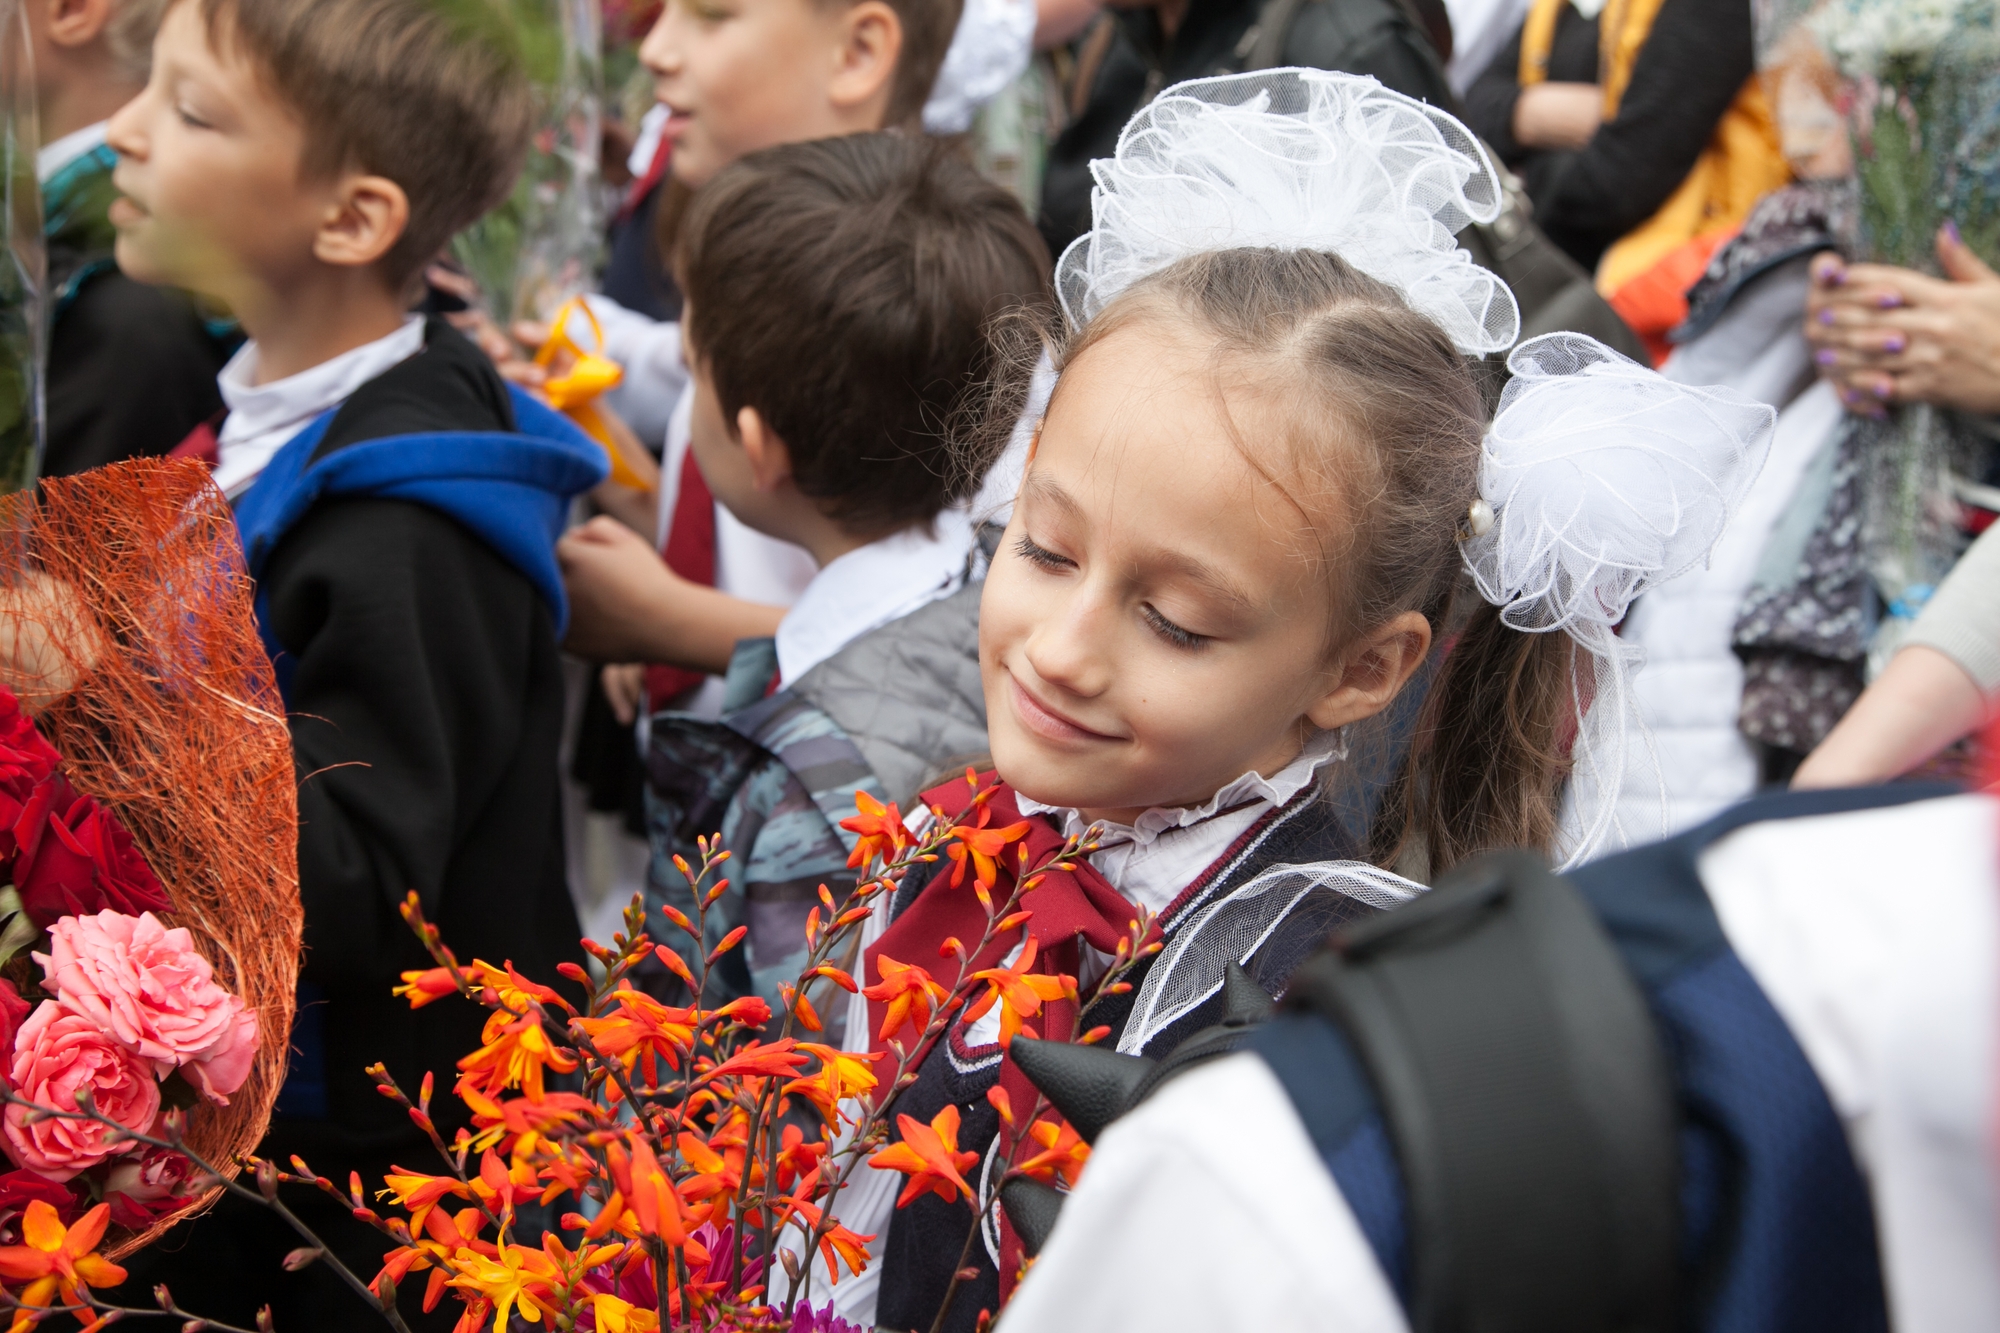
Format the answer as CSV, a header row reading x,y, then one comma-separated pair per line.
x,y
1324,748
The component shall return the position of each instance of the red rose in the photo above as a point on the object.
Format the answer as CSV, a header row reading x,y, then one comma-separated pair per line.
x,y
18,1189
74,858
22,748
13,1012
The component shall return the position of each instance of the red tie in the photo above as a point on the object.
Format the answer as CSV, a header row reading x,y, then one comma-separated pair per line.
x,y
690,553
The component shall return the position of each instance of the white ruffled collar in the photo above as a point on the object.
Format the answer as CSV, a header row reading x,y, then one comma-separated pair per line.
x,y
1252,788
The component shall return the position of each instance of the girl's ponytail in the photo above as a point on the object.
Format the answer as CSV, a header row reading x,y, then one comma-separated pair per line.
x,y
1490,753
1597,480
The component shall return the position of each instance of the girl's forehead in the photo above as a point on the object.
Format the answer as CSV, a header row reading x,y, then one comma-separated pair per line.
x,y
1143,449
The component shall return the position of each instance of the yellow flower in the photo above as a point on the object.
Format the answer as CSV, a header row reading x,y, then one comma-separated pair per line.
x,y
520,1276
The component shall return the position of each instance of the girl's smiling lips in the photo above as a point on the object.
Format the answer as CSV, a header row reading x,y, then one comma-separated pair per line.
x,y
1046,722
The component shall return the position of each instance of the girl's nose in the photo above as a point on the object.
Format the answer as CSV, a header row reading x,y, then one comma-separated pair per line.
x,y
1068,650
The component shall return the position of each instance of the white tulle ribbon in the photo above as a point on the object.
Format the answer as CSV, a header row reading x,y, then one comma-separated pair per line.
x,y
1298,159
1233,927
1605,479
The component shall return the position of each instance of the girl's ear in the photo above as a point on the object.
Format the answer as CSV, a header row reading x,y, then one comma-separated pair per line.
x,y
770,460
1372,672
871,43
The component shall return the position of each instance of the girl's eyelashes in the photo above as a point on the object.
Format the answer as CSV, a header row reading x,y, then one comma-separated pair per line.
x,y
1186,639
1041,555
1172,633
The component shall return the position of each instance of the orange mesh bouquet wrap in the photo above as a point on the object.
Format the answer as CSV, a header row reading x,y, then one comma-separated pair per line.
x,y
131,627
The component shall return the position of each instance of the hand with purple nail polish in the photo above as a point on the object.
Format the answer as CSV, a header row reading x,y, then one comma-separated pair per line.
x,y
1884,335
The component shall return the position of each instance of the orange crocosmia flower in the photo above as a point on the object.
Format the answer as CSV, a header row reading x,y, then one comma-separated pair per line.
x,y
57,1260
517,1277
444,1236
428,984
910,994
981,847
418,1193
838,1245
881,829
776,1059
653,1200
715,1172
527,1126
642,1026
500,1186
515,1054
1063,1153
1019,991
841,1075
752,1011
613,1315
797,1157
929,1156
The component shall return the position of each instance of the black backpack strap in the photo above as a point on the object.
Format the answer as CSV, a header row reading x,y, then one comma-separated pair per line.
x,y
1528,1100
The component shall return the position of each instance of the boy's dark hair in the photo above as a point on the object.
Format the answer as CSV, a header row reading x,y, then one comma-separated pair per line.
x,y
928,26
844,288
429,93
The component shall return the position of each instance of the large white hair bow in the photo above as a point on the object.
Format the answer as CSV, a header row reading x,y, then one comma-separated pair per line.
x,y
1604,479
1298,159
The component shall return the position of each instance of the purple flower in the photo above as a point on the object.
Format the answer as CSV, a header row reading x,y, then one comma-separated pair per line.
x,y
824,1320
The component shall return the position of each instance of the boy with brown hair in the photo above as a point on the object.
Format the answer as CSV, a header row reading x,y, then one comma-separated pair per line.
x,y
301,160
732,78
131,368
840,294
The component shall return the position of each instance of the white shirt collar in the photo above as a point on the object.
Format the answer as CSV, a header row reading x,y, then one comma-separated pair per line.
x,y
1159,854
53,157
263,417
652,129
869,587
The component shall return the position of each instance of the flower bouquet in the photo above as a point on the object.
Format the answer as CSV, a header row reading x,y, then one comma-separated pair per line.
x,y
1923,104
695,1155
149,916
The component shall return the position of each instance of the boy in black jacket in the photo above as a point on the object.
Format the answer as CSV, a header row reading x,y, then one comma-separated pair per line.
x,y
300,160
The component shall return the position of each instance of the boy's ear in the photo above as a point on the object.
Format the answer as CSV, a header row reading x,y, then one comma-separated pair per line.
x,y
75,22
1373,672
871,44
365,218
769,458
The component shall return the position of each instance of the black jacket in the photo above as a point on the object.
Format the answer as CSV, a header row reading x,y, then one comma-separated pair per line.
x,y
1694,62
1376,37
426,698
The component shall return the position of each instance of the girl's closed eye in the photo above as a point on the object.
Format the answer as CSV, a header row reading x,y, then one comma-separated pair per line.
x,y
1172,633
1035,554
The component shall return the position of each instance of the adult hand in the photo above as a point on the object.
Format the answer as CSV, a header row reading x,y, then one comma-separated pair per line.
x,y
1558,116
1884,335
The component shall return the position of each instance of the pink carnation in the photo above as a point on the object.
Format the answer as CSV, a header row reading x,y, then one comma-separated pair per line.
x,y
56,1055
148,990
